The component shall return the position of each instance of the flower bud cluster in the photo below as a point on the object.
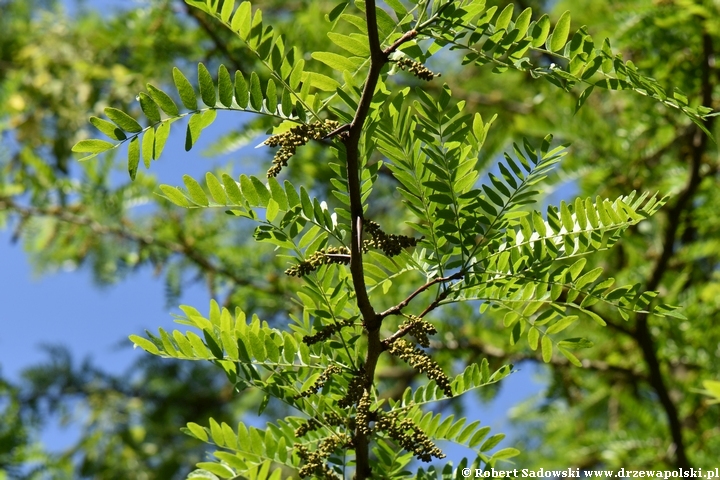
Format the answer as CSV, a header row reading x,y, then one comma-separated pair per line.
x,y
421,362
420,329
319,258
409,436
330,418
320,382
327,331
417,69
292,139
390,244
315,461
355,390
309,425
362,419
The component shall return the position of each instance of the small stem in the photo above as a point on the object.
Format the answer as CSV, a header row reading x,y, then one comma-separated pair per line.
x,y
398,308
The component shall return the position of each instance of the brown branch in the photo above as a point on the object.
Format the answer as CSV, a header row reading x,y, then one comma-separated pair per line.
x,y
371,321
65,215
434,304
351,138
642,333
337,131
398,308
409,35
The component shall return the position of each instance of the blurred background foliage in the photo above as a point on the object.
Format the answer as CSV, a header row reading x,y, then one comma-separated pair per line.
x,y
636,403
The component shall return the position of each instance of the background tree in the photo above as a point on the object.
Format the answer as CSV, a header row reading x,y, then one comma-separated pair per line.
x,y
589,394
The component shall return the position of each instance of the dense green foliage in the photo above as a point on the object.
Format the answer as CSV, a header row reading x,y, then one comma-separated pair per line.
x,y
464,234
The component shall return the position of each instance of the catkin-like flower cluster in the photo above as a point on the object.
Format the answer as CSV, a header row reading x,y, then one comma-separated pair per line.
x,y
309,425
315,461
390,244
362,419
321,257
330,418
420,329
327,331
417,69
355,390
409,436
292,139
320,382
421,362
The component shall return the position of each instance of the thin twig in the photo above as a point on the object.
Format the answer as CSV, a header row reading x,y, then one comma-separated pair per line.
x,y
398,308
409,35
65,215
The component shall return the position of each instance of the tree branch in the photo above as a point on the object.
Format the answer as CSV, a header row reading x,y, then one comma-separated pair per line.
x,y
398,308
371,321
642,333
351,139
66,215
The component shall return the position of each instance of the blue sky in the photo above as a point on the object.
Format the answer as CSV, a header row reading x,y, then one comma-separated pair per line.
x,y
67,308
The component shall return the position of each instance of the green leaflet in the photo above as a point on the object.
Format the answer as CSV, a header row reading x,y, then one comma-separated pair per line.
x,y
560,33
149,107
108,128
256,98
198,122
123,120
185,90
206,85
338,62
225,86
163,100
148,147
350,44
133,157
271,97
241,90
92,146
